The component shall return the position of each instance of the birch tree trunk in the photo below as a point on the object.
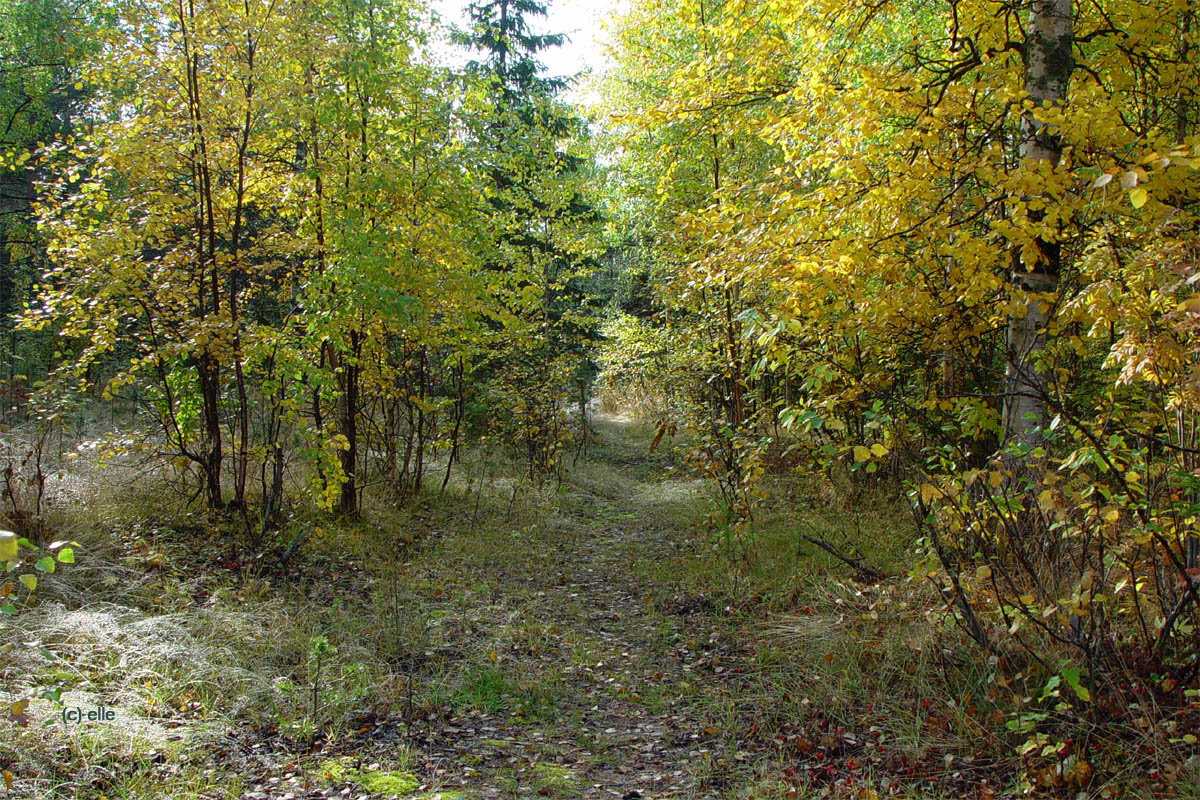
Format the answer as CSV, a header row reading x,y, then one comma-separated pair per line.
x,y
1048,66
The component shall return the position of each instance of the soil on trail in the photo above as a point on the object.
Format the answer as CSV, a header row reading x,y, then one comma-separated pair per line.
x,y
600,683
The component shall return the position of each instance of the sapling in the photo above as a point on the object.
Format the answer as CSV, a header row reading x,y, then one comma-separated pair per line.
x,y
319,649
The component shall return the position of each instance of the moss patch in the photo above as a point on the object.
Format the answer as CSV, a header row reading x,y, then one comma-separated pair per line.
x,y
554,780
387,783
495,743
374,781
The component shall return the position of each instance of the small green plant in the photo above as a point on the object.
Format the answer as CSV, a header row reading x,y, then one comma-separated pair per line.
x,y
44,561
41,560
319,649
483,689
554,780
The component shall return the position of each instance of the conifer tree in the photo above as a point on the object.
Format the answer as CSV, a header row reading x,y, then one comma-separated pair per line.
x,y
539,215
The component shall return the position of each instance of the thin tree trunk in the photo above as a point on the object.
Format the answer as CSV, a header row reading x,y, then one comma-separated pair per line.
x,y
1048,66
409,434
210,387
208,367
241,464
348,425
389,438
419,469
327,351
1183,99
273,496
459,407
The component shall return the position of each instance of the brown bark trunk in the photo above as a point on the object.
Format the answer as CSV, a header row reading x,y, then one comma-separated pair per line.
x,y
348,386
460,401
207,365
389,438
241,463
419,469
210,387
1186,93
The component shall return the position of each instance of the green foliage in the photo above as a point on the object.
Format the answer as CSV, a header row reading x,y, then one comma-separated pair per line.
x,y
921,243
483,689
56,553
638,365
41,97
43,560
314,247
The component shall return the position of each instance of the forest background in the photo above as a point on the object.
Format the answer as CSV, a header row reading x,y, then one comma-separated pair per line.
x,y
939,256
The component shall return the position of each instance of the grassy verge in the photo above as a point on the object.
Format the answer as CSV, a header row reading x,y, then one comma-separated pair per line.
x,y
220,674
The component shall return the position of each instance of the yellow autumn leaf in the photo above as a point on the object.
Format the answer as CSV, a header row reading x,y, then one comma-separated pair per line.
x,y
861,454
1138,197
879,450
8,546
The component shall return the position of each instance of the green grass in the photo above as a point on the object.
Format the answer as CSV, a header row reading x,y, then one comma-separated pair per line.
x,y
483,689
181,647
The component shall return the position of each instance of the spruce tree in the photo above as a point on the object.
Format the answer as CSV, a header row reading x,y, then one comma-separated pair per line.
x,y
537,211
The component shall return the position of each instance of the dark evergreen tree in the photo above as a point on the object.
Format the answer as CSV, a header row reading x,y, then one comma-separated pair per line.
x,y
500,31
523,142
39,100
538,212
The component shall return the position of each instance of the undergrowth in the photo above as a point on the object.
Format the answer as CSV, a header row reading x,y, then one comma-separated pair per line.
x,y
192,638
805,676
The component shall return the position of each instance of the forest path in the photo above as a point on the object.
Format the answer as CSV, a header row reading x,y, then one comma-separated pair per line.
x,y
608,650
570,657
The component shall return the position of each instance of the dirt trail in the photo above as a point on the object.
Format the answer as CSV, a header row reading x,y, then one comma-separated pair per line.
x,y
627,649
605,666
